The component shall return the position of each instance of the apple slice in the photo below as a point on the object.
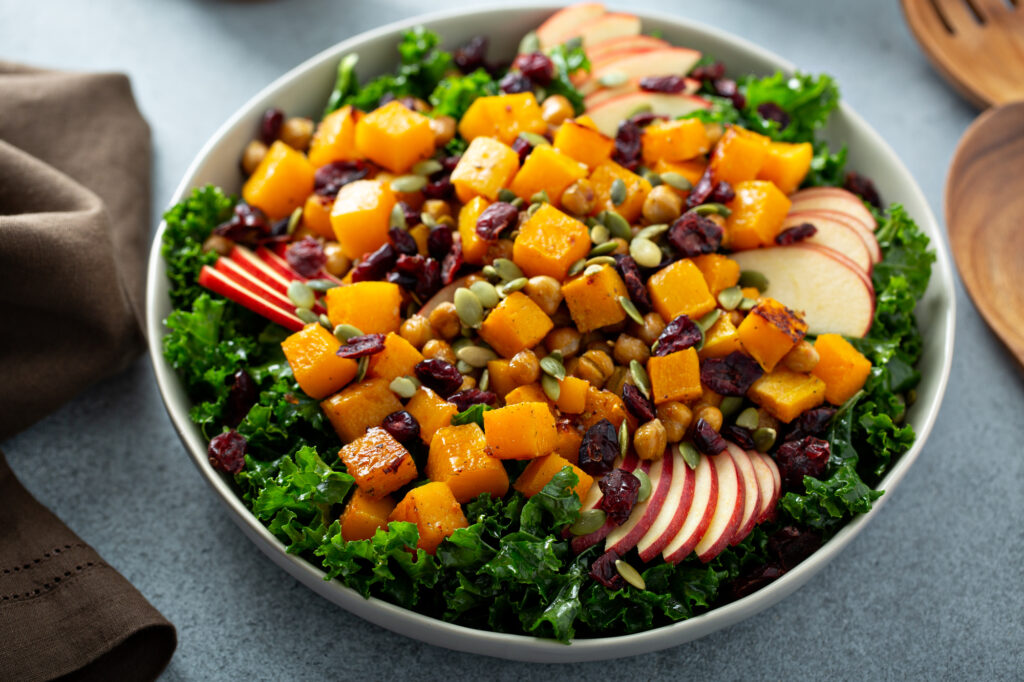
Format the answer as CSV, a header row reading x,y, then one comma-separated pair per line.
x,y
609,114
623,44
244,278
255,266
673,510
751,493
698,517
219,283
664,62
835,235
769,493
556,29
605,27
814,216
624,537
834,199
632,85
728,510
593,500
832,293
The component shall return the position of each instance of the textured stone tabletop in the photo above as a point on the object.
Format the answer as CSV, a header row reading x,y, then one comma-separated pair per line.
x,y
931,588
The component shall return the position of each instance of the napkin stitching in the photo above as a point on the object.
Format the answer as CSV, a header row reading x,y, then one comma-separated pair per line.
x,y
35,563
48,588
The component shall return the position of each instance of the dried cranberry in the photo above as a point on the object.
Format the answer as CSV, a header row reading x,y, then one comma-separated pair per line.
x,y
495,219
701,192
522,147
402,426
227,451
439,376
805,457
627,145
536,66
708,72
471,55
726,87
679,334
241,396
739,435
730,375
331,177
863,187
412,216
797,233
423,274
638,404
306,256
620,489
403,241
361,346
634,281
450,162
407,282
270,125
375,265
810,423
515,82
472,396
722,192
599,448
770,111
692,235
706,439
451,264
754,580
247,224
440,186
603,570
791,545
439,241
671,84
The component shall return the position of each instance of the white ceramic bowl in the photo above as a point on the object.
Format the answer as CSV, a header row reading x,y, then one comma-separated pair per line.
x,y
304,90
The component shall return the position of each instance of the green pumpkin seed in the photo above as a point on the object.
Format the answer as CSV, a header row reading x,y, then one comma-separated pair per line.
x,y
603,249
705,323
531,211
753,278
325,322
600,260
428,220
676,181
730,405
300,294
511,287
553,366
631,310
577,267
552,389
486,292
592,270
617,193
344,332
748,418
703,337
529,44
617,225
588,522
506,195
535,139
689,454
517,202
506,269
293,220
642,109
427,167
403,387
397,218
490,272
462,342
599,234
468,307
408,183
612,79
645,484
640,378
645,252
747,304
653,178
540,197
476,356
485,380
623,436
730,298
463,367
321,284
307,315
764,438
652,232
364,364
712,209
630,574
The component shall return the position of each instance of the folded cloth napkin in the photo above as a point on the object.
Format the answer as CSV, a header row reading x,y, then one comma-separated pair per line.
x,y
74,215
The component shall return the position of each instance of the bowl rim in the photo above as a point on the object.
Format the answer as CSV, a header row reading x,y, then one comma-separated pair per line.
x,y
525,647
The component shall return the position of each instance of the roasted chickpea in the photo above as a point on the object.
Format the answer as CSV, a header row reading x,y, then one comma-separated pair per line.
x,y
416,330
677,418
621,247
296,132
499,249
801,358
662,205
712,415
338,263
736,317
556,108
436,349
594,366
650,440
436,208
468,382
445,321
545,291
252,156
566,340
444,129
628,348
650,331
524,368
218,244
620,376
579,198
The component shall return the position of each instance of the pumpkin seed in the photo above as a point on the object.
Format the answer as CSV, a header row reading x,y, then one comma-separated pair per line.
x,y
640,378
344,332
364,364
427,167
623,436
506,269
603,249
540,197
535,139
552,389
600,260
588,522
486,292
468,307
553,366
490,272
617,225
476,356
747,304
764,438
404,184
320,284
485,380
428,220
730,298
705,323
676,181
631,310
703,337
397,218
592,269
712,209
403,387
645,483
730,405
612,79
307,315
642,109
462,341
689,454
617,192
599,234
653,178
529,44
645,252
577,267
325,322
511,287
753,278
630,574
293,220
506,195
517,202
530,211
463,367
652,232
301,295
748,418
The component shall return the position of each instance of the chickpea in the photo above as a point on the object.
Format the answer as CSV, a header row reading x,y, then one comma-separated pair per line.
x,y
436,349
650,440
545,291
709,397
473,279
252,156
651,330
219,244
594,366
303,231
499,249
629,348
524,368
621,247
594,341
444,129
662,205
337,262
620,377
416,330
437,208
712,415
296,132
563,339
445,320
468,382
580,197
801,358
736,317
677,418
561,317
765,420
556,109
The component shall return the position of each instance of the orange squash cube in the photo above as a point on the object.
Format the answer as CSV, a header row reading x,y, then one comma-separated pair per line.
x,y
316,215
371,307
637,189
431,411
720,340
593,299
680,289
547,169
540,471
501,377
398,359
572,395
364,514
786,165
587,145
378,462
281,183
549,242
677,140
520,431
568,440
738,156
474,247
720,272
486,166
601,404
394,137
359,407
458,456
758,212
360,216
769,331
311,354
787,394
420,233
335,137
841,366
527,393
515,324
434,510
691,170
675,376
502,117
752,293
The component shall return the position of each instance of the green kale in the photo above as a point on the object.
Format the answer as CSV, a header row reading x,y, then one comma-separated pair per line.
x,y
454,94
809,101
568,58
474,414
188,224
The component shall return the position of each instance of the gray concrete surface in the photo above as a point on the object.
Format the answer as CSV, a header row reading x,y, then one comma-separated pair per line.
x,y
931,589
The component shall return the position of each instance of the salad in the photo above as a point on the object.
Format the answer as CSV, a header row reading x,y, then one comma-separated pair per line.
x,y
576,346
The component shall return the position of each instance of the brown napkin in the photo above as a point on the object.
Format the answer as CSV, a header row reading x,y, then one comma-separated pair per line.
x,y
74,215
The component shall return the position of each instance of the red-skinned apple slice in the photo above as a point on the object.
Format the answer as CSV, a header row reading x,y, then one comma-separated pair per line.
x,y
834,199
769,495
698,517
563,22
593,500
751,493
256,267
728,509
866,235
232,270
624,538
606,27
623,44
664,62
610,113
833,294
673,510
776,479
632,85
220,283
835,235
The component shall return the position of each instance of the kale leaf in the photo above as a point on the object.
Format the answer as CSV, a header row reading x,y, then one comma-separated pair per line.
x,y
454,94
568,58
188,224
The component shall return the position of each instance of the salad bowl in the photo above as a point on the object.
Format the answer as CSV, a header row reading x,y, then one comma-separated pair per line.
x,y
303,92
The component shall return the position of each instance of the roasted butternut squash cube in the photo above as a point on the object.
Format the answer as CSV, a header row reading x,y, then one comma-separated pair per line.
x,y
335,137
568,440
720,340
371,307
520,431
316,215
677,140
549,242
527,393
502,117
431,411
281,183
434,510
680,289
841,366
601,404
787,394
720,272
769,331
420,233
587,145
572,395
691,170
359,407
738,156
675,376
547,169
593,299
515,324
501,377
486,166
786,164
540,471
364,514
753,293
398,359
360,216
394,136
378,462
474,247
311,354
458,456
758,212
637,189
